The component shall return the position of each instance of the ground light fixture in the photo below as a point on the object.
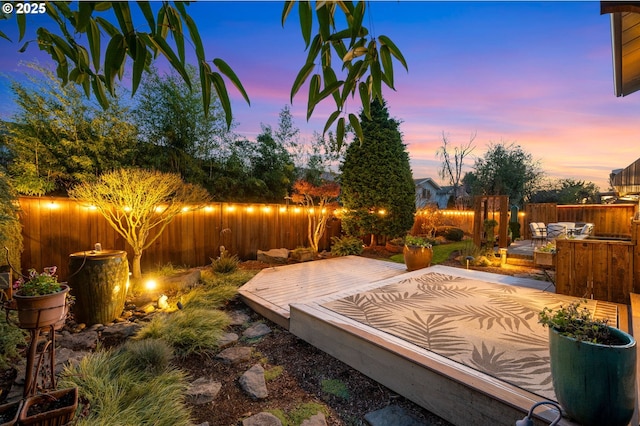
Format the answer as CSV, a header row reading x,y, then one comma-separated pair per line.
x,y
528,421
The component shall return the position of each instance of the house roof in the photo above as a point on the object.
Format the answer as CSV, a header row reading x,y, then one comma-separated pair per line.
x,y
625,44
430,181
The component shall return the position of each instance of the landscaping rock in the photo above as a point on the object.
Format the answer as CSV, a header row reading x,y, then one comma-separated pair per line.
x,y
253,383
203,391
273,256
262,419
180,281
227,339
392,415
257,330
239,318
316,420
87,340
235,354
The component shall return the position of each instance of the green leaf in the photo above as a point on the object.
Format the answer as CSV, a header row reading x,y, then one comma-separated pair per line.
x,y
324,21
93,36
365,98
176,31
223,96
376,80
195,37
329,78
384,40
355,123
162,22
342,34
301,78
108,26
123,14
145,7
4,36
329,89
387,66
205,82
330,121
165,49
340,130
85,10
314,89
102,6
306,20
356,24
228,72
113,58
314,48
22,25
98,90
288,6
139,64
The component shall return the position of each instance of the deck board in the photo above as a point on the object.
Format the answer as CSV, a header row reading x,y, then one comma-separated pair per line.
x,y
292,295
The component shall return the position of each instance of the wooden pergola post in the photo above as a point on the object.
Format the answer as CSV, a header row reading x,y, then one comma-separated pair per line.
x,y
481,210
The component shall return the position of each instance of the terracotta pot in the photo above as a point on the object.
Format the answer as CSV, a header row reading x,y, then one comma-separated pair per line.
x,y
42,311
56,408
417,257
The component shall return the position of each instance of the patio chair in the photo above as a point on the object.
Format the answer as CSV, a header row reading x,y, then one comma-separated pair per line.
x,y
585,231
538,232
556,230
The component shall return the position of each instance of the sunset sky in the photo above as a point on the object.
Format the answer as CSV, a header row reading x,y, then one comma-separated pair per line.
x,y
535,73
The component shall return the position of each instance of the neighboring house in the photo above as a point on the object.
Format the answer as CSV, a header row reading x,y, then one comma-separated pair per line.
x,y
429,193
626,182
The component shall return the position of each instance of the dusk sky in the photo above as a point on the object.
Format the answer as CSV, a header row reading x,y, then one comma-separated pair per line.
x,y
538,74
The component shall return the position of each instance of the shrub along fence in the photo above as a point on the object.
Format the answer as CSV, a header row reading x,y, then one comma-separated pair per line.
x,y
53,228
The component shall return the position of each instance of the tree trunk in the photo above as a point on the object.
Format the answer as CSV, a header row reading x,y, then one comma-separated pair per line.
x,y
135,265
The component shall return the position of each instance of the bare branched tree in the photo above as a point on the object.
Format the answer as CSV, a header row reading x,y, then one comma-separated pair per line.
x,y
136,202
451,170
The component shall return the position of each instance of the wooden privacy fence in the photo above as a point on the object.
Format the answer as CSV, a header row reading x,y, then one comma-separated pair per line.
x,y
610,220
54,228
601,269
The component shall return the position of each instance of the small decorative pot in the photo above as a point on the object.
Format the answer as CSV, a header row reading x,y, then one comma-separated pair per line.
x,y
594,384
416,257
56,408
42,311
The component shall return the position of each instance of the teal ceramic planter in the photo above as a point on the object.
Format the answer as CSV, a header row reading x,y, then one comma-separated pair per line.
x,y
594,384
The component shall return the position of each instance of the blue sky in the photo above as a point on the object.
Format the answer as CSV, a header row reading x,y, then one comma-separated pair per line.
x,y
535,73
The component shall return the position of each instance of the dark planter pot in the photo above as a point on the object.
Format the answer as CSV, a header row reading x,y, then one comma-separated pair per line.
x,y
99,286
594,384
42,311
417,257
55,408
9,413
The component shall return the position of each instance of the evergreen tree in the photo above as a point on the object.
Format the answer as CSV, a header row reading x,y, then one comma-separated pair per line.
x,y
378,192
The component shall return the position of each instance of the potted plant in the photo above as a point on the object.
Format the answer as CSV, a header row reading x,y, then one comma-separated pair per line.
x,y
55,408
593,366
40,299
545,255
417,252
9,413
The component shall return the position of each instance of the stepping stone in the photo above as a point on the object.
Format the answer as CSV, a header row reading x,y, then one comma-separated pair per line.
x,y
235,354
256,330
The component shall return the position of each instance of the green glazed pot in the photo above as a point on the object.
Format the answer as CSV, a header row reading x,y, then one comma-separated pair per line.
x,y
594,384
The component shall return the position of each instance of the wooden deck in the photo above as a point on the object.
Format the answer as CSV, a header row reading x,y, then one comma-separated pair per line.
x,y
292,296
